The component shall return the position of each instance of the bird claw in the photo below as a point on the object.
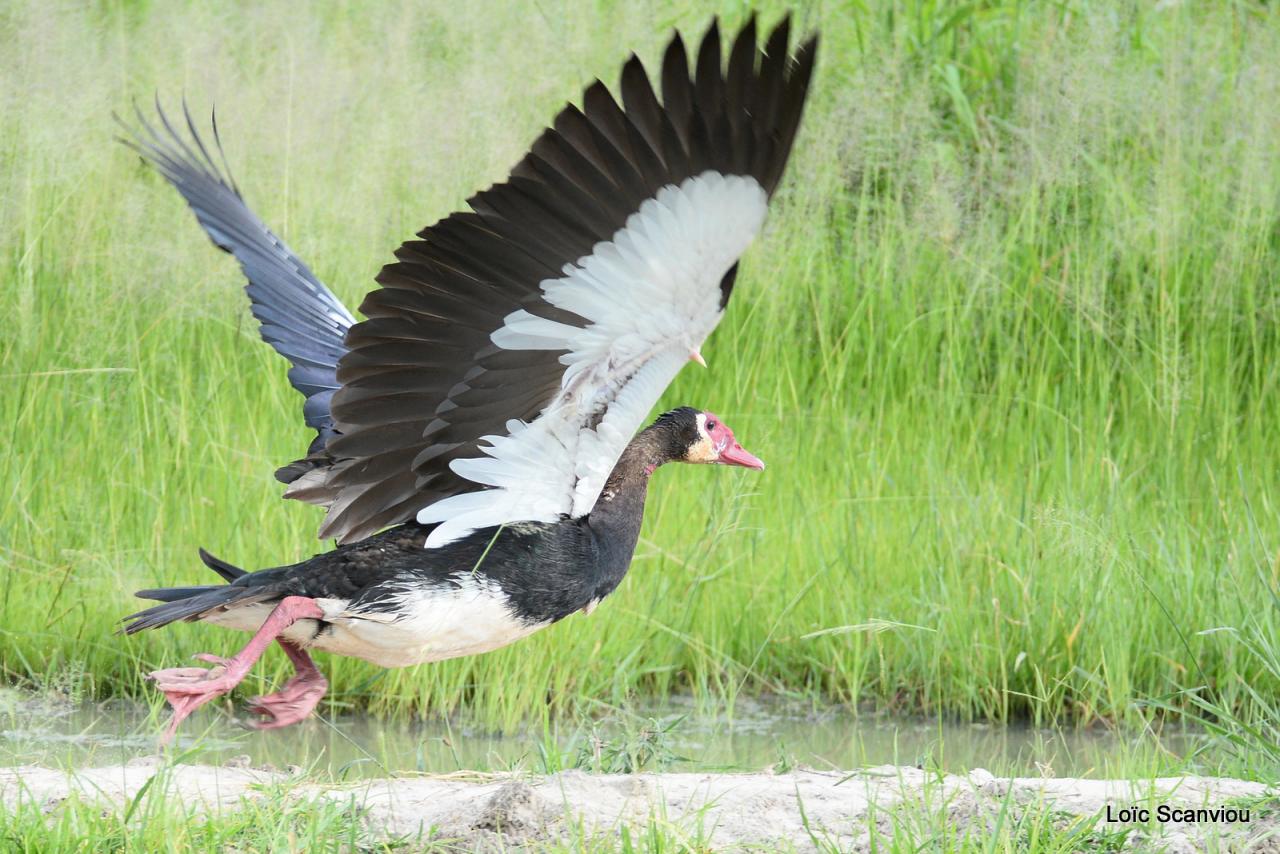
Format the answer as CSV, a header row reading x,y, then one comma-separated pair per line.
x,y
290,704
206,682
179,674
189,688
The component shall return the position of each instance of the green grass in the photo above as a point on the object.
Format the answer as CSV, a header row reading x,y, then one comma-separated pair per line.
x,y
77,827
1009,346
277,822
293,815
162,821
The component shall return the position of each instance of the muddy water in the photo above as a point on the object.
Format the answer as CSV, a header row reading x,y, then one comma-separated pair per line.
x,y
58,733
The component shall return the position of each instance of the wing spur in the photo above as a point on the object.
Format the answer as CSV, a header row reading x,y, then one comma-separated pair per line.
x,y
298,315
512,350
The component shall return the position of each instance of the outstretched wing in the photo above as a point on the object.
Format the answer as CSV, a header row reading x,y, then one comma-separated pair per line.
x,y
512,351
298,315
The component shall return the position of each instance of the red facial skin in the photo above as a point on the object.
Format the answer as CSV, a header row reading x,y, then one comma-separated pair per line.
x,y
728,451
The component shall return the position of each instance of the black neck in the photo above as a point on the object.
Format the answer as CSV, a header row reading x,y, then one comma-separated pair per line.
x,y
615,520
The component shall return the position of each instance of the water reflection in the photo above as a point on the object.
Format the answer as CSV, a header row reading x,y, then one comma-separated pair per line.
x,y
57,733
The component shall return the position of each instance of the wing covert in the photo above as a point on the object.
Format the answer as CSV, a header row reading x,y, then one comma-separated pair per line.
x,y
512,351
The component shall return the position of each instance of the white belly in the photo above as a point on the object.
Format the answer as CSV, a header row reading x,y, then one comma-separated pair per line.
x,y
421,624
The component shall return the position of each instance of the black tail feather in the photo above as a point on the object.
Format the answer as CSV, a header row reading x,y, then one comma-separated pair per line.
x,y
228,572
173,594
192,607
190,603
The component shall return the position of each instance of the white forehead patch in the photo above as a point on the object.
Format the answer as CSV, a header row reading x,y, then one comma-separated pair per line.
x,y
703,450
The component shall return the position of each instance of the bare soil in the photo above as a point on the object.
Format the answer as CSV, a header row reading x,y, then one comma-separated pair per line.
x,y
804,810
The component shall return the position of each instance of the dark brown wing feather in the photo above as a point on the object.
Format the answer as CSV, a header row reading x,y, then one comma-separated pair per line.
x,y
422,383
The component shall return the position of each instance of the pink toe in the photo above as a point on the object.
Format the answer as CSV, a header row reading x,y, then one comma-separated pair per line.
x,y
177,673
279,718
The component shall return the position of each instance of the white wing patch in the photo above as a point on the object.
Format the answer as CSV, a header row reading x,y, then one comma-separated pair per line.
x,y
650,296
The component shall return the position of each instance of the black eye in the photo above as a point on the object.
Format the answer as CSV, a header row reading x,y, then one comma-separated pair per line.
x,y
711,425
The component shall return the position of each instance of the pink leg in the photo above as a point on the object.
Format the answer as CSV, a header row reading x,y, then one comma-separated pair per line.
x,y
189,688
297,698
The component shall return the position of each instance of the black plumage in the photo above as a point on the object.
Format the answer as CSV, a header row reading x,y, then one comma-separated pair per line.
x,y
547,571
447,366
450,288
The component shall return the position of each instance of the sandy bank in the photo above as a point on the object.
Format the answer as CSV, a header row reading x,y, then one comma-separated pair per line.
x,y
802,809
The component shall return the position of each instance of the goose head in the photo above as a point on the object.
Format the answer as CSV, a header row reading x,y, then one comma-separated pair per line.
x,y
696,436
